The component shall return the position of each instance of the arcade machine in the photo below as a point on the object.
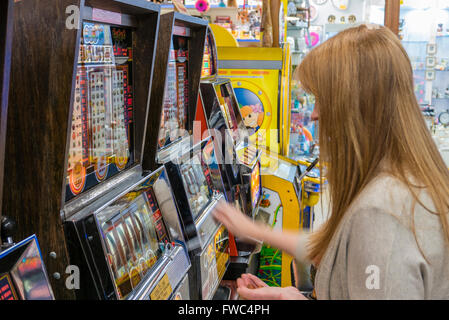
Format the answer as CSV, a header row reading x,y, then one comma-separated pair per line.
x,y
200,188
23,275
82,188
219,108
193,168
133,238
282,190
259,84
218,111
261,77
6,15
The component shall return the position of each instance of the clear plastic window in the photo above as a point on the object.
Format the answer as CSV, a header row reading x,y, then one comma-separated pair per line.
x,y
176,97
132,240
101,135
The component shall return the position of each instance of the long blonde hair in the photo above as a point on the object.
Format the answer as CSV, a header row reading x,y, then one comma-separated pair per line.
x,y
362,80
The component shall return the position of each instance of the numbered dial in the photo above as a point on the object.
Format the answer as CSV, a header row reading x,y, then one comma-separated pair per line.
x,y
444,118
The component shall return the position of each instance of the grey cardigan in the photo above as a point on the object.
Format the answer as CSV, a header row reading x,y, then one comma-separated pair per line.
x,y
374,253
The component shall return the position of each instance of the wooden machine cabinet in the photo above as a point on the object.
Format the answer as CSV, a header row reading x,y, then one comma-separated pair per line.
x,y
43,69
172,24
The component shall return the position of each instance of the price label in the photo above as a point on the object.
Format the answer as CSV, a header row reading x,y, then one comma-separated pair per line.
x,y
163,289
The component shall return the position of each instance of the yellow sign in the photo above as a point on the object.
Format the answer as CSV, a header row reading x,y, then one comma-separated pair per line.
x,y
163,289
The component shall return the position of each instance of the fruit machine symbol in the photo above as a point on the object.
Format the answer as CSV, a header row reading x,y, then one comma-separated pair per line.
x,y
101,142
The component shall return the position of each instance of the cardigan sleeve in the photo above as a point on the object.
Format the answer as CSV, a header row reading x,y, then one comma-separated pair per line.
x,y
301,247
383,258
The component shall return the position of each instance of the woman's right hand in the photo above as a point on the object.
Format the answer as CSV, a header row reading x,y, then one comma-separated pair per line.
x,y
235,221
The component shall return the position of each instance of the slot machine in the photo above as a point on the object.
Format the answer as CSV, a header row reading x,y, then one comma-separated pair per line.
x,y
82,188
220,112
6,15
194,169
197,175
23,275
136,246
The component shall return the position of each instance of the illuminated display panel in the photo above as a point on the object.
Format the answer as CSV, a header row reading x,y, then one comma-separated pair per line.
x,y
209,58
101,136
173,124
255,186
7,291
134,234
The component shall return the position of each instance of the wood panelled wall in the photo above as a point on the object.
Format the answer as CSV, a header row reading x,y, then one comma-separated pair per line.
x,y
6,18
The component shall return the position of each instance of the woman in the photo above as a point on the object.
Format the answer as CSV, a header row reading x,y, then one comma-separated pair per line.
x,y
387,236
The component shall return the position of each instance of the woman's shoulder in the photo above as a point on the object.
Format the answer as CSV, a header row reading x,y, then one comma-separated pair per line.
x,y
389,197
389,194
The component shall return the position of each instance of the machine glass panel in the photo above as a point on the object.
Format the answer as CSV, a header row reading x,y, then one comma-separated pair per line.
x,y
101,137
134,235
201,177
176,96
232,113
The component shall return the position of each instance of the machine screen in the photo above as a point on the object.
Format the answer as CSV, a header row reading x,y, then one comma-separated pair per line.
x,y
22,274
101,136
176,95
201,178
134,234
7,291
195,180
255,186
